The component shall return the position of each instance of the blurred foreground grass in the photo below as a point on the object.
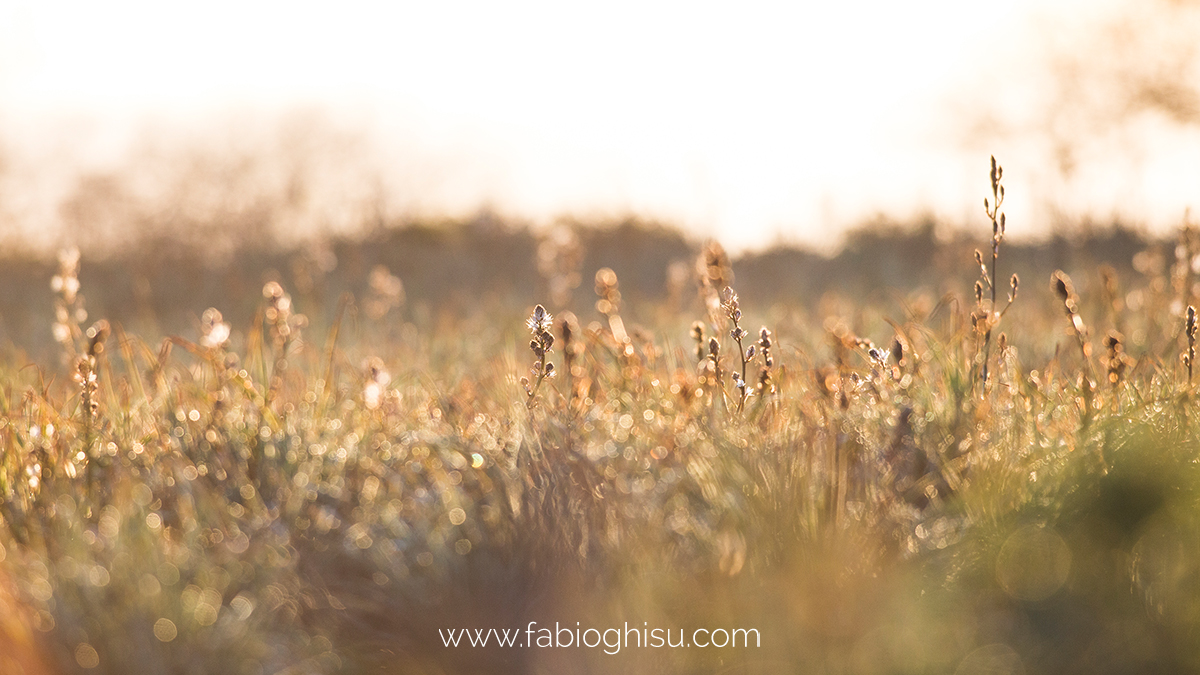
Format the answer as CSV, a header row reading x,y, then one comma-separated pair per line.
x,y
278,492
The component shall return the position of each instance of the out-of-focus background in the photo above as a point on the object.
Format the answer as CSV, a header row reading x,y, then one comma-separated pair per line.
x,y
763,123
469,149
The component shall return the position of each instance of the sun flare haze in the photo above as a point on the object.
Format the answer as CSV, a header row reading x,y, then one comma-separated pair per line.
x,y
755,123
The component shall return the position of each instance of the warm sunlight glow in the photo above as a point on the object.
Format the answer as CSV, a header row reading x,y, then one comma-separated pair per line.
x,y
754,122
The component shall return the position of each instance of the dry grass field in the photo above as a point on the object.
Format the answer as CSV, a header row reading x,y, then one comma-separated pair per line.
x,y
313,460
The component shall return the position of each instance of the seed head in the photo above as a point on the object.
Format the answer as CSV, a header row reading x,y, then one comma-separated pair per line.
x,y
1062,286
876,354
698,336
540,321
715,271
764,344
729,303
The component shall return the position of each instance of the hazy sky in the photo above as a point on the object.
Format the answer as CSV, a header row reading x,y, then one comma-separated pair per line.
x,y
751,121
